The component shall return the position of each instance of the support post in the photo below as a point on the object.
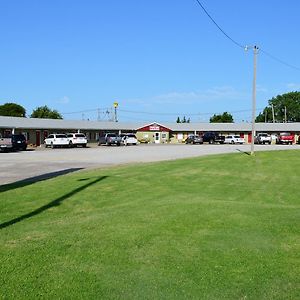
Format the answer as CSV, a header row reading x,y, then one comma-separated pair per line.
x,y
255,50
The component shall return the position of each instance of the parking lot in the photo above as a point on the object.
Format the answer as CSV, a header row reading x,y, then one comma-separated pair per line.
x,y
40,163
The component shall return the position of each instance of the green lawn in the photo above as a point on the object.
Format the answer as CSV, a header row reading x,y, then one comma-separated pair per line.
x,y
215,227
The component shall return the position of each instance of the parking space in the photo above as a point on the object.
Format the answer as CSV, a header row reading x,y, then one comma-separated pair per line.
x,y
41,163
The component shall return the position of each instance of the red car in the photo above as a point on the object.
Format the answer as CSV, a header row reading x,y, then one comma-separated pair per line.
x,y
285,138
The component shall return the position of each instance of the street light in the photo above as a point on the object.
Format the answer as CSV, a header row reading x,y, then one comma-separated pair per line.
x,y
255,51
116,104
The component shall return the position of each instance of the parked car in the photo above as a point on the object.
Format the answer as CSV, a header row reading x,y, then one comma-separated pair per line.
x,y
194,139
263,138
144,140
285,138
213,137
234,139
128,139
19,142
5,143
109,139
57,140
77,139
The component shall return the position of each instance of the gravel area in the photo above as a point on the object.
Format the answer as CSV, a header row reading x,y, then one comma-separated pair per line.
x,y
41,163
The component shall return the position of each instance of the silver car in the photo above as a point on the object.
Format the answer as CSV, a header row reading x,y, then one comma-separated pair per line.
x,y
233,139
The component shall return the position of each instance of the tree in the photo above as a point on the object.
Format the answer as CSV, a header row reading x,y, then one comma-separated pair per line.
x,y
222,118
184,120
12,110
265,116
286,109
44,112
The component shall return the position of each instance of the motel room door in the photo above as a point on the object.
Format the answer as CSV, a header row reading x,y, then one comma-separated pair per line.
x,y
38,138
156,137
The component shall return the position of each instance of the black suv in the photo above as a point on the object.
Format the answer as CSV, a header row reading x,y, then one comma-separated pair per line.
x,y
213,137
18,142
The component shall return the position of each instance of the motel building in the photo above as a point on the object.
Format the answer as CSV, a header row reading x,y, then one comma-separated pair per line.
x,y
36,130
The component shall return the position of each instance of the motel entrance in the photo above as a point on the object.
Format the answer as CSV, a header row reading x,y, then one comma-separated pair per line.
x,y
154,133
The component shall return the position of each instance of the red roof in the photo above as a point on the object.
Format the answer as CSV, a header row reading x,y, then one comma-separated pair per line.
x,y
154,127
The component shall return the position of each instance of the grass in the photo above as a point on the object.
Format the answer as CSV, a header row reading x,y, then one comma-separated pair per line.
x,y
216,227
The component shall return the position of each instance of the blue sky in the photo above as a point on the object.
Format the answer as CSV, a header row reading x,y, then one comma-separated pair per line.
x,y
157,59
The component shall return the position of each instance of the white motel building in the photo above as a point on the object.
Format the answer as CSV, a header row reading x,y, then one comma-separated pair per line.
x,y
36,130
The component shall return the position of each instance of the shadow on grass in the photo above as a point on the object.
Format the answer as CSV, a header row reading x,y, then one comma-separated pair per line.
x,y
53,203
244,152
31,180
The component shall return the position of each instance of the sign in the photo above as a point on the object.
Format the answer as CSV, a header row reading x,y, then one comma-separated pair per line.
x,y
154,128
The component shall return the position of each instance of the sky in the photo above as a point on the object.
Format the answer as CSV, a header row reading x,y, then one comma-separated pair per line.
x,y
158,59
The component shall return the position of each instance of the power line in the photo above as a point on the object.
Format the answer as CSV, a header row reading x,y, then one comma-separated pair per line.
x,y
87,110
211,18
181,113
106,111
279,60
151,113
244,47
79,112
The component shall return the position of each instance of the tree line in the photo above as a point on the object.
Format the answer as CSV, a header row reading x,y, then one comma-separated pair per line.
x,y
16,110
280,109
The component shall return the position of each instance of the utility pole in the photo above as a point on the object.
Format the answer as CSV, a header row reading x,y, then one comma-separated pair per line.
x,y
255,50
98,114
266,113
285,117
273,113
108,113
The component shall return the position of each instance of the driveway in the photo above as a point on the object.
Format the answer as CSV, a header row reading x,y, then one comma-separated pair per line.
x,y
41,163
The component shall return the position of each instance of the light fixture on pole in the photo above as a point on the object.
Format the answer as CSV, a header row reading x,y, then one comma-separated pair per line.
x,y
255,51
116,104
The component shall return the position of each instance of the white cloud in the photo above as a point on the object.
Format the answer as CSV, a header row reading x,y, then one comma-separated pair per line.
x,y
293,86
63,100
261,89
223,93
216,99
176,97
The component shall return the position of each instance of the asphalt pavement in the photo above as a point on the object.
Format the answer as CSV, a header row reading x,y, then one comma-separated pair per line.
x,y
40,163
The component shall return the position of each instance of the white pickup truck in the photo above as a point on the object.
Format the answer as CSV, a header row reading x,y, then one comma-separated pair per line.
x,y
263,138
5,144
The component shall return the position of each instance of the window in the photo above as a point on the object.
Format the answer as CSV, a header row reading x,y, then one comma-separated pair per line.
x,y
180,136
